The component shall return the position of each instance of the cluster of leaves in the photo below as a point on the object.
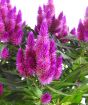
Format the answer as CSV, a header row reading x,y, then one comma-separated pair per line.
x,y
68,90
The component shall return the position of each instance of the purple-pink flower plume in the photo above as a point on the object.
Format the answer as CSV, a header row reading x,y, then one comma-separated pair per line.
x,y
46,98
5,53
11,25
1,89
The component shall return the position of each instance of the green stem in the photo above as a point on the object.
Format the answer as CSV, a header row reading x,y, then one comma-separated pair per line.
x,y
56,91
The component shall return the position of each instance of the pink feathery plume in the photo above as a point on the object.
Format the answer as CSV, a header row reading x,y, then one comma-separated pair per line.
x,y
20,63
46,98
1,89
5,53
42,51
59,68
11,25
30,55
48,76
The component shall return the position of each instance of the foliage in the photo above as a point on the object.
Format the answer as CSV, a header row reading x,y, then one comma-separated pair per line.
x,y
69,89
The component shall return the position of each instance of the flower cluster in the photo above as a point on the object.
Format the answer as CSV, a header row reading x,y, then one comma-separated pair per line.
x,y
26,61
56,26
11,26
82,31
39,57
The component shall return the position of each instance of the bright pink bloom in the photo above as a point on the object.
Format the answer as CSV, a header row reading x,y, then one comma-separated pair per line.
x,y
11,26
86,13
46,61
82,31
46,98
26,61
73,31
56,26
30,55
1,89
42,51
5,53
59,68
20,62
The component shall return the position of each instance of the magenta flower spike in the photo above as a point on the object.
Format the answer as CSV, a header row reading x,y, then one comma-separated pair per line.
x,y
46,98
48,76
73,31
1,89
47,65
30,40
30,55
19,17
10,24
40,16
49,9
5,53
56,26
52,60
42,51
59,68
80,31
30,61
86,13
20,63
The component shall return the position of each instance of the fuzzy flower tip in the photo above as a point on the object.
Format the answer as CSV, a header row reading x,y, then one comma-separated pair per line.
x,y
56,26
5,53
80,31
46,98
30,56
86,13
44,28
59,68
1,89
30,40
73,31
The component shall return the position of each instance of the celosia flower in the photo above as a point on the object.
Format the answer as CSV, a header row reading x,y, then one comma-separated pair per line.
x,y
20,63
86,13
48,76
82,30
59,68
4,53
46,61
46,98
39,20
30,40
49,12
30,56
73,31
11,26
56,26
1,89
42,51
26,61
